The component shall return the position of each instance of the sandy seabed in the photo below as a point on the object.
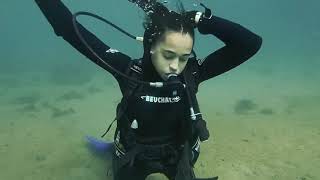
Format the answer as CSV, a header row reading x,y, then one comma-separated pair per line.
x,y
257,132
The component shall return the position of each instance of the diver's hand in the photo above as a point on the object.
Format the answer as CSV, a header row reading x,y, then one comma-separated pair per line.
x,y
202,130
193,17
205,20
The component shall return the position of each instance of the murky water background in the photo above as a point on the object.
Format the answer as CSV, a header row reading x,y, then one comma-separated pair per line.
x,y
263,115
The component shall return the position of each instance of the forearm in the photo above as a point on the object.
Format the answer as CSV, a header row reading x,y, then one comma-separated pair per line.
x,y
240,45
57,14
60,18
232,34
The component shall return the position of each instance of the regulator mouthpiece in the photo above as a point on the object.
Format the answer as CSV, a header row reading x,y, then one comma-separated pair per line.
x,y
173,77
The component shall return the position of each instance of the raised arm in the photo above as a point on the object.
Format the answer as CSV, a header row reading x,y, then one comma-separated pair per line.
x,y
60,18
240,45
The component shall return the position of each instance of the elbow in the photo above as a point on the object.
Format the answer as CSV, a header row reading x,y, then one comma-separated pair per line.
x,y
249,47
58,33
254,45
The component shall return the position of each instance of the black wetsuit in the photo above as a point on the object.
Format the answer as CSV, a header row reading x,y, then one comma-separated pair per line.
x,y
158,112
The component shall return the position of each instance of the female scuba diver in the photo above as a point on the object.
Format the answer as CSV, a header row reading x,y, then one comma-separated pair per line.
x,y
159,128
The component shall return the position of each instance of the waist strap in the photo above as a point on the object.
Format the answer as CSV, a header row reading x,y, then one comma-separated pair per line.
x,y
168,153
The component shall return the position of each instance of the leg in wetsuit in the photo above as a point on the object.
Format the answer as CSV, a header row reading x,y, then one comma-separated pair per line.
x,y
140,170
153,159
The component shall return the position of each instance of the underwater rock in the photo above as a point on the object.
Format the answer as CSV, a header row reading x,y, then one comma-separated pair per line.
x,y
28,99
29,108
267,111
72,95
40,157
94,89
56,112
245,106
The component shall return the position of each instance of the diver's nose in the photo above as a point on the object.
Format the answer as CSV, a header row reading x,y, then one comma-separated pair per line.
x,y
174,65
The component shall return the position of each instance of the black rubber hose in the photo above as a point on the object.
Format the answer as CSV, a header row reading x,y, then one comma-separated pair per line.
x,y
75,25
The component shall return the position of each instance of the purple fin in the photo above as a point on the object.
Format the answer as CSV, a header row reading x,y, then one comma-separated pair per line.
x,y
98,145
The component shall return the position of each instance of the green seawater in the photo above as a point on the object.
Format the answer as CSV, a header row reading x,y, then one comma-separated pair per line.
x,y
263,115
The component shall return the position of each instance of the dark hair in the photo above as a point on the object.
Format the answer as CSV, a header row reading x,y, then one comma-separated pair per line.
x,y
161,20
158,21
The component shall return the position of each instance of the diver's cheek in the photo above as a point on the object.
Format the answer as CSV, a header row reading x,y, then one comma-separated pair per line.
x,y
182,67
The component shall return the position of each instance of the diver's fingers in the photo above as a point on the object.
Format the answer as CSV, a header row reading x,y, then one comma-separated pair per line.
x,y
138,38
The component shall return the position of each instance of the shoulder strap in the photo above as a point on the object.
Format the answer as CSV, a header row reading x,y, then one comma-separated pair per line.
x,y
199,128
191,73
134,70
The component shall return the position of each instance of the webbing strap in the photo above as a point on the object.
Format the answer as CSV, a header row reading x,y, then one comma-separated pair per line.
x,y
123,105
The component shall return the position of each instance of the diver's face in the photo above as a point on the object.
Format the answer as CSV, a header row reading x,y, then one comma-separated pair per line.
x,y
172,53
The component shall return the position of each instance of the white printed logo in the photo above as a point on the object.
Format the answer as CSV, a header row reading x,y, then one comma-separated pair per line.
x,y
154,99
200,61
111,51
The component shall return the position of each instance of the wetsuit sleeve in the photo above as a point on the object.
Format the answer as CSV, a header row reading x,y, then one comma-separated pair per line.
x,y
60,19
240,45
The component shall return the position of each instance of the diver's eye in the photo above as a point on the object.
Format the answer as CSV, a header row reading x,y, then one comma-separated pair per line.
x,y
169,56
184,58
